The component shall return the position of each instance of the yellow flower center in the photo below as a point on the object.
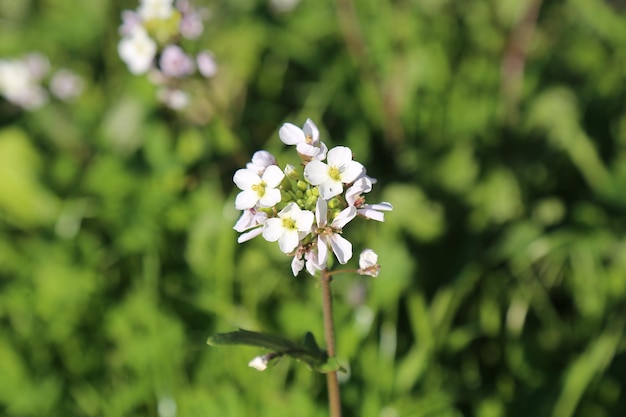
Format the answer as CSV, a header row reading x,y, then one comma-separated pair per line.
x,y
259,188
289,223
334,173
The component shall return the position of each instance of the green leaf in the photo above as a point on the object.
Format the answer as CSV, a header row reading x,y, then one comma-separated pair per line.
x,y
308,352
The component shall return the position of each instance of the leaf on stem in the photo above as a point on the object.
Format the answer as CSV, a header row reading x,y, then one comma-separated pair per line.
x,y
308,351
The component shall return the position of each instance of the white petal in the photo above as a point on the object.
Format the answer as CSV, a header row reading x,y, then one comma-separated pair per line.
x,y
367,258
316,172
330,188
273,229
246,200
273,176
270,198
322,251
311,130
372,214
304,221
342,248
244,237
350,171
323,150
288,241
384,206
321,211
245,178
296,265
344,217
259,363
311,151
291,134
263,158
339,155
246,221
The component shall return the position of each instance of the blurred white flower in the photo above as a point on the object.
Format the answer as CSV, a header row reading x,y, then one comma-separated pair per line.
x,y
284,6
155,9
137,50
329,177
19,83
66,85
173,98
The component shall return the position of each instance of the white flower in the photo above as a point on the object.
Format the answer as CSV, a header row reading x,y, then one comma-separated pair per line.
x,y
305,256
250,222
256,189
137,50
306,139
20,85
289,227
259,363
155,9
329,235
260,161
369,211
368,263
340,169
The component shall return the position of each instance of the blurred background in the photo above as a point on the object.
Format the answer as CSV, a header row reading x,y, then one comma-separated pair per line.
x,y
497,129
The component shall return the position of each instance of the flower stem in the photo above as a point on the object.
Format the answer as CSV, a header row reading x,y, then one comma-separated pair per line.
x,y
334,401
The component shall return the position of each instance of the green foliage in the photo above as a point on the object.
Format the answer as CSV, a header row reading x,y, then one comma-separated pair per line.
x,y
503,282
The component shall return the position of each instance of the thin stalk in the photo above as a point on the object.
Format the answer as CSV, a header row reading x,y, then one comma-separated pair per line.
x,y
334,401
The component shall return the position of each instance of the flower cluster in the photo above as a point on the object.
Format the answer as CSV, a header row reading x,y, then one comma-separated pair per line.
x,y
151,44
305,209
23,81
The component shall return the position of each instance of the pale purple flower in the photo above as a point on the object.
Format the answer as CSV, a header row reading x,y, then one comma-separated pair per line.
x,y
130,21
289,227
330,235
175,62
329,177
306,139
258,189
191,25
207,66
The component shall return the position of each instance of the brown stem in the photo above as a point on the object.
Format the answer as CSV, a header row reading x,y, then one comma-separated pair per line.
x,y
514,59
334,401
